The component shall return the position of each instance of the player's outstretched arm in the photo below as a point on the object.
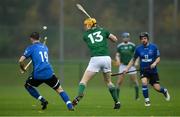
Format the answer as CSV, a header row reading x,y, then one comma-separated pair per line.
x,y
136,63
113,38
131,62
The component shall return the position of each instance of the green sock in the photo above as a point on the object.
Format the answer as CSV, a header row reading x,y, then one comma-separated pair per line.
x,y
113,92
137,92
81,89
118,92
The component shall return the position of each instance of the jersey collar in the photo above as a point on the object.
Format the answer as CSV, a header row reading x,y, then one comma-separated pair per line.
x,y
36,42
146,46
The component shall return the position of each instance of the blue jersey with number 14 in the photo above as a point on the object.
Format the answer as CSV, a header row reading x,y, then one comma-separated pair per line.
x,y
147,55
38,53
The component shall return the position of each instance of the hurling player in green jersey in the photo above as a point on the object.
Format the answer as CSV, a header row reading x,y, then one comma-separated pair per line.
x,y
125,51
96,39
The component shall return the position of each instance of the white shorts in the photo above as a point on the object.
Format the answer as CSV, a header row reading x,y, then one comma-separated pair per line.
x,y
122,68
99,63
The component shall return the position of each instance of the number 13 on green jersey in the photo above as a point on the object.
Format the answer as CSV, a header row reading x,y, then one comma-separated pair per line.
x,y
96,40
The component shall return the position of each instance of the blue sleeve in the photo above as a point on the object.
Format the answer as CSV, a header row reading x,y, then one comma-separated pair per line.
x,y
27,52
157,51
136,54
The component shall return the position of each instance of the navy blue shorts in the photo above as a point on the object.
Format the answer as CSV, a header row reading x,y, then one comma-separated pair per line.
x,y
153,77
53,82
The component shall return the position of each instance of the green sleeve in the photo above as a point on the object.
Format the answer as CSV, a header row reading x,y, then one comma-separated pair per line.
x,y
134,48
107,33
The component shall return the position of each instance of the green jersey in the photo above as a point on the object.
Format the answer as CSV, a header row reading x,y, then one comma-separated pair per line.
x,y
96,40
126,51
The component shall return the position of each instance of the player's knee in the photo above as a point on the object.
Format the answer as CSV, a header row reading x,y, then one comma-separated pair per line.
x,y
144,82
110,85
107,81
156,87
26,85
59,89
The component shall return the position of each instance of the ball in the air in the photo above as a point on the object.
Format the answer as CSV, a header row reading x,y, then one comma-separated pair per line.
x,y
45,27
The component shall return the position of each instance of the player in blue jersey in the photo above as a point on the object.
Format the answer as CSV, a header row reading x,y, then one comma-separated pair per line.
x,y
42,72
149,56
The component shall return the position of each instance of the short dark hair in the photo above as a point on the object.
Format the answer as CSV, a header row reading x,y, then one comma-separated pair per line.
x,y
35,35
144,34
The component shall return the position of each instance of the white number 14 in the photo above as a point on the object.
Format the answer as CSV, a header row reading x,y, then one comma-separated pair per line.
x,y
44,56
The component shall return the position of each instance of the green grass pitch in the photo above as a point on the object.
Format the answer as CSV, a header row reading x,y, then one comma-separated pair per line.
x,y
15,101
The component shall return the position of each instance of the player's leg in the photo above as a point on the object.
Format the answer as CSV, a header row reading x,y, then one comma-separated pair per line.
x,y
162,90
105,63
82,85
30,87
133,76
120,79
145,90
154,81
112,89
54,83
136,85
65,98
91,70
119,82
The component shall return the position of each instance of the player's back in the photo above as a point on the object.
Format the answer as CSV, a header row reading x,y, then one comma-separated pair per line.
x,y
41,66
96,39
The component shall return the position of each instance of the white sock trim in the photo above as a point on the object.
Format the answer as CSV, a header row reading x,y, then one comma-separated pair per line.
x,y
68,102
40,97
147,99
56,84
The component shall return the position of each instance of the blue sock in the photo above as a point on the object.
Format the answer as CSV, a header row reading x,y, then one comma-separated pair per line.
x,y
162,90
145,91
32,91
65,98
41,99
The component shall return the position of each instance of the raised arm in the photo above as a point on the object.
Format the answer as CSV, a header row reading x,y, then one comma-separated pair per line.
x,y
113,38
